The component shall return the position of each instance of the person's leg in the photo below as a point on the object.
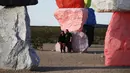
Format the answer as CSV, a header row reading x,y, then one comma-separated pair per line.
x,y
70,46
61,47
64,47
67,47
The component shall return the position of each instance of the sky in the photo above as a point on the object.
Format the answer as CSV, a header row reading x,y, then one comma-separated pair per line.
x,y
42,14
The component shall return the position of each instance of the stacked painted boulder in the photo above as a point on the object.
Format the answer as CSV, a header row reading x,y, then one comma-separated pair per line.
x,y
91,17
72,15
117,40
111,5
90,23
87,3
16,52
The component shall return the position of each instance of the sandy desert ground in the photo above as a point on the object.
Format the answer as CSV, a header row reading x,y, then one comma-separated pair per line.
x,y
55,62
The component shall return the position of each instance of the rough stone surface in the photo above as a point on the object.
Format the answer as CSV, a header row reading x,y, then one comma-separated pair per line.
x,y
79,42
15,49
111,5
117,40
71,18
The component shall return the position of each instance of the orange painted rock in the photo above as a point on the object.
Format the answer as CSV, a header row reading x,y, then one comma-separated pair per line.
x,y
70,3
117,41
71,18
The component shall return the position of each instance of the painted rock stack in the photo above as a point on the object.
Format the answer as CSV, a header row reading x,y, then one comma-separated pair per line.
x,y
72,15
15,49
90,23
117,41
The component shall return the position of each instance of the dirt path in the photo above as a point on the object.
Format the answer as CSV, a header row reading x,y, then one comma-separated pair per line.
x,y
54,62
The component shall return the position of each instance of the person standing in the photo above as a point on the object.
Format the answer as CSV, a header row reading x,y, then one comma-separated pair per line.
x,y
68,42
61,41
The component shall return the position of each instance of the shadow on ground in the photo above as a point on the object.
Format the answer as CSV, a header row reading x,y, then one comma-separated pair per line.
x,y
46,69
95,52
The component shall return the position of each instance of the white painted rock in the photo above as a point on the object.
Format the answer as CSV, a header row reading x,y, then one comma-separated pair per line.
x,y
79,42
111,5
57,47
72,19
15,49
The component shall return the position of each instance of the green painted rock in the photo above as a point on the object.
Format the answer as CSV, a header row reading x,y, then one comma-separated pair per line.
x,y
87,3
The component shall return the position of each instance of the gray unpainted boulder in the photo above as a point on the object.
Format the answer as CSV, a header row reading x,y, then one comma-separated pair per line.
x,y
79,42
15,49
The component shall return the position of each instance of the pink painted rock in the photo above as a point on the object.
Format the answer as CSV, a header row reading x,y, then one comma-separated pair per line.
x,y
71,18
117,41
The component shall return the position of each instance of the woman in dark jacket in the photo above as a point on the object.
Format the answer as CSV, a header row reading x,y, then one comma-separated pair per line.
x,y
61,41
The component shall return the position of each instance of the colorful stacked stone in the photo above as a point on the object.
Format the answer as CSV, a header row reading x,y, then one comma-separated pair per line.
x,y
87,3
90,22
72,15
111,5
117,40
71,18
16,52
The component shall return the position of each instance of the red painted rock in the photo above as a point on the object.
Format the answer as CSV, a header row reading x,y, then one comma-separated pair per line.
x,y
71,18
117,41
70,3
